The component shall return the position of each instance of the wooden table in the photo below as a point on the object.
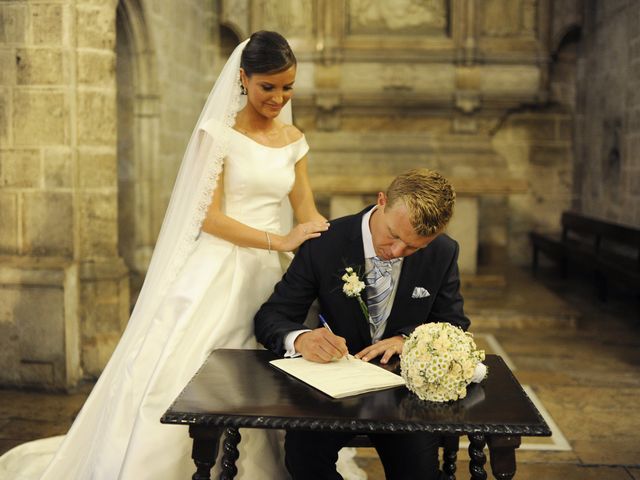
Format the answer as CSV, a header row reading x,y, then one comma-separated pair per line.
x,y
239,389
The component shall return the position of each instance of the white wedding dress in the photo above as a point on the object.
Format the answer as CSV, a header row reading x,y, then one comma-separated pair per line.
x,y
210,305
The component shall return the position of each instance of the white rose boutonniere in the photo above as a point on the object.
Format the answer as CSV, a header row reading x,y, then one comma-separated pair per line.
x,y
439,360
353,287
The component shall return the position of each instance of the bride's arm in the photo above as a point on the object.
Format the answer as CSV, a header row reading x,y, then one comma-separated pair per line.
x,y
301,196
218,224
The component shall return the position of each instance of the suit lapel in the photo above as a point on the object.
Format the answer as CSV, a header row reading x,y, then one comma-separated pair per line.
x,y
355,251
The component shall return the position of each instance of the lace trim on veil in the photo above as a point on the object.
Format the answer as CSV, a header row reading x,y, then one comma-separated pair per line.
x,y
207,186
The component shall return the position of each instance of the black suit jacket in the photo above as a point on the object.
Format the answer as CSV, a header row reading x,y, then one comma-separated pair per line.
x,y
316,272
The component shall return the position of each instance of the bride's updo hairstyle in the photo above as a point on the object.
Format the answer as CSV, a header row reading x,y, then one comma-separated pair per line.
x,y
267,52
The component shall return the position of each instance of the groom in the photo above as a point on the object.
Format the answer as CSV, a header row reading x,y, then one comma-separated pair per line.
x,y
398,249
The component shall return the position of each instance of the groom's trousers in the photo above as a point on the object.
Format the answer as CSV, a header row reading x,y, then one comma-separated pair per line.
x,y
313,455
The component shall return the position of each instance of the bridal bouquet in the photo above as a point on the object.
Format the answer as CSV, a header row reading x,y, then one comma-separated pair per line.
x,y
439,360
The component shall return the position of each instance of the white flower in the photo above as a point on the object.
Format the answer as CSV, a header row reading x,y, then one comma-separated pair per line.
x,y
439,360
352,287
352,284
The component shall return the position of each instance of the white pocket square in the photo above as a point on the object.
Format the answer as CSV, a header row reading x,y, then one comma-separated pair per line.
x,y
419,292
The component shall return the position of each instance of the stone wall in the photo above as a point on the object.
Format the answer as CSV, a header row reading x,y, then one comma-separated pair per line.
x,y
58,187
607,154
164,77
463,87
64,287
537,146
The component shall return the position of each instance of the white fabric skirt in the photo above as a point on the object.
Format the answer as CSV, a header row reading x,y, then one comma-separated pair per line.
x,y
210,305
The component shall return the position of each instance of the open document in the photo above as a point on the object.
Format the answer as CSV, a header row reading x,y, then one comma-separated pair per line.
x,y
340,378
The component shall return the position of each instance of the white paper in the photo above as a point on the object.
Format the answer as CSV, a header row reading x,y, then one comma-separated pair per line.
x,y
340,378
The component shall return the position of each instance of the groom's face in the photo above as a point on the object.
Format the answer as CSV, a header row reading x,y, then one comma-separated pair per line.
x,y
392,233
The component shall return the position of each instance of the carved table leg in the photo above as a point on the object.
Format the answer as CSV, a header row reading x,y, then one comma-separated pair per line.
x,y
477,457
502,453
449,456
231,454
205,449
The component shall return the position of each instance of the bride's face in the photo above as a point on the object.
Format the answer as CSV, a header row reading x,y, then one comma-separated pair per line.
x,y
268,93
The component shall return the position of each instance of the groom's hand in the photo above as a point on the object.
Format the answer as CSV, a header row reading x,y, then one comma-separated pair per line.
x,y
320,345
387,348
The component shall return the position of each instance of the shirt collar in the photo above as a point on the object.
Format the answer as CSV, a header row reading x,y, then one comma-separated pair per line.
x,y
367,239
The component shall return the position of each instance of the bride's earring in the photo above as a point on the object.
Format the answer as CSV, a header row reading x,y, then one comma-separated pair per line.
x,y
243,89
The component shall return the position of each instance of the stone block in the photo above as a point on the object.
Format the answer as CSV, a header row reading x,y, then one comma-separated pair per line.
x,y
39,314
9,339
47,24
38,323
341,205
97,118
536,128
634,70
464,229
97,68
468,77
104,3
104,312
634,50
13,22
39,66
58,168
9,224
634,183
326,76
20,168
565,129
494,213
96,27
97,170
47,223
96,352
633,92
633,119
633,148
548,155
506,79
8,70
633,22
40,118
106,316
369,77
99,224
5,105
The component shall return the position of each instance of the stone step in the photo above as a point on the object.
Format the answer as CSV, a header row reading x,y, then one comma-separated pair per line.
x,y
514,299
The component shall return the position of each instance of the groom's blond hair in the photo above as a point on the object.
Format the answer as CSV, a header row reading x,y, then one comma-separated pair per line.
x,y
429,199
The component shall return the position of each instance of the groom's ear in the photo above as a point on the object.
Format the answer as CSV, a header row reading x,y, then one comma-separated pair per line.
x,y
382,199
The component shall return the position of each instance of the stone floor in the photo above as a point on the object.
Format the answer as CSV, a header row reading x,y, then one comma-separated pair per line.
x,y
582,360
586,372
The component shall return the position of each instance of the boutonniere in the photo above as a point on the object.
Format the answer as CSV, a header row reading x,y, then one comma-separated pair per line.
x,y
353,287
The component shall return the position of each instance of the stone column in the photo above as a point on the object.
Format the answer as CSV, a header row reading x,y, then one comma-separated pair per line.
x,y
58,195
104,287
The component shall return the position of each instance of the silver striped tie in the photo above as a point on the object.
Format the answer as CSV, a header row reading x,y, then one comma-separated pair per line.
x,y
379,287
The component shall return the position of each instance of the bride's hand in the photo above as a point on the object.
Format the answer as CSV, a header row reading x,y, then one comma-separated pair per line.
x,y
301,233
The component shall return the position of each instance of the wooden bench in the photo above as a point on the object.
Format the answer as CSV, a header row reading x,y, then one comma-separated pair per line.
x,y
611,251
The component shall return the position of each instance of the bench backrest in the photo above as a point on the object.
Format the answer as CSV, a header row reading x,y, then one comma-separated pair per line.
x,y
600,230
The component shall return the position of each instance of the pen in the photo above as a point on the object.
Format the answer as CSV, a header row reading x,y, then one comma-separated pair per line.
x,y
326,325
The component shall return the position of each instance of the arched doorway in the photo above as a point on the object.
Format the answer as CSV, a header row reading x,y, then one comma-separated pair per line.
x,y
137,139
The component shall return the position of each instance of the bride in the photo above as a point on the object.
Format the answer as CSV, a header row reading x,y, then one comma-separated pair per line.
x,y
217,258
